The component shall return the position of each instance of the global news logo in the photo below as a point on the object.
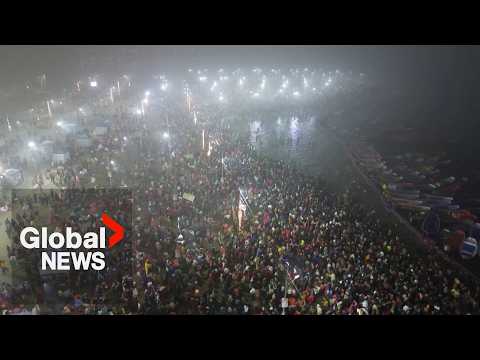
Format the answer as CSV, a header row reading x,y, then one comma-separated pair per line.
x,y
61,252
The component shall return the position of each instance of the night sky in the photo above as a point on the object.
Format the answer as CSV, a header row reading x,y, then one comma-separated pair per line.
x,y
444,79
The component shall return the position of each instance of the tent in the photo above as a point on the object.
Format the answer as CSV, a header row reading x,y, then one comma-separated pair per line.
x,y
13,177
83,141
47,145
100,131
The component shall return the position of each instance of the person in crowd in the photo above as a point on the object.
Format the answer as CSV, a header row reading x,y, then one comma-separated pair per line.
x,y
300,243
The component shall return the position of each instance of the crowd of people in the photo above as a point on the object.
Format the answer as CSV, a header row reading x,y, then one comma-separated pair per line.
x,y
301,247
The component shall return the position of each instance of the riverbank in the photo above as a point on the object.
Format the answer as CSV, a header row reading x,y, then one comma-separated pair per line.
x,y
318,151
388,211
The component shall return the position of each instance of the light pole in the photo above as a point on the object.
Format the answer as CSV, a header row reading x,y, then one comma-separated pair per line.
x,y
189,99
48,108
9,125
222,169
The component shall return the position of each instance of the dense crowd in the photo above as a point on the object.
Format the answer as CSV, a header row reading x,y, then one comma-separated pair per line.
x,y
323,252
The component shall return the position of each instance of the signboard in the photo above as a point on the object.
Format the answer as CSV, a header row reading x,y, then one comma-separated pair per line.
x,y
60,158
189,196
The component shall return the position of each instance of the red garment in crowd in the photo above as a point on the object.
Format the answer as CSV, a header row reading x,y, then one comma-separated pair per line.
x,y
455,240
266,218
310,299
464,215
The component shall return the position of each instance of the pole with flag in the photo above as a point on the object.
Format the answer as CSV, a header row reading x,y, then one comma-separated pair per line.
x,y
242,207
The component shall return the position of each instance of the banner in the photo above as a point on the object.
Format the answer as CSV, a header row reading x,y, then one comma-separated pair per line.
x,y
189,196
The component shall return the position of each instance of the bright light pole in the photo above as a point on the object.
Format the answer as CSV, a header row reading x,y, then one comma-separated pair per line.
x,y
49,110
210,147
43,81
9,125
189,99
